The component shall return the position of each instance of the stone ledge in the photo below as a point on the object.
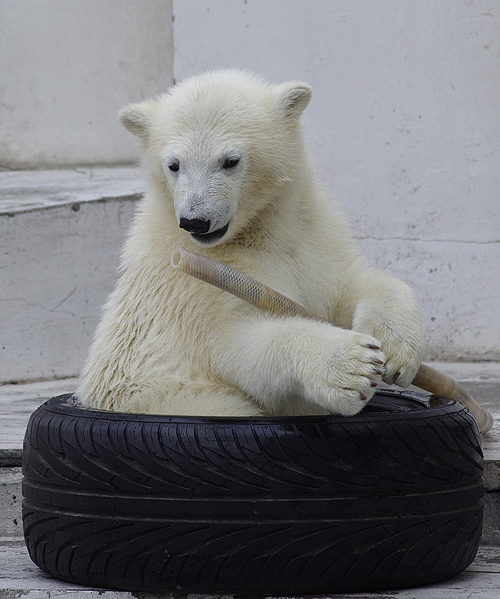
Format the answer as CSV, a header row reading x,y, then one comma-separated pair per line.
x,y
22,191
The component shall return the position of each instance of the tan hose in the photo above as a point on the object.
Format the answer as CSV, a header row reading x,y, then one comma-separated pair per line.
x,y
263,297
227,278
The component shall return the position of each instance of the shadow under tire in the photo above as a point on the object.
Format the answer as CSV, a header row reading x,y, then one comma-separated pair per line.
x,y
386,499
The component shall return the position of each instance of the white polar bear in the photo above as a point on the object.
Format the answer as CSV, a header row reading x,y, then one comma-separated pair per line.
x,y
228,176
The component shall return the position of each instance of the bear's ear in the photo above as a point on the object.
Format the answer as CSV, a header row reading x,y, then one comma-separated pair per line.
x,y
292,98
136,118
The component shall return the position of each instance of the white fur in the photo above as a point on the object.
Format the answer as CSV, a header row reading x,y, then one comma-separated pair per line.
x,y
170,344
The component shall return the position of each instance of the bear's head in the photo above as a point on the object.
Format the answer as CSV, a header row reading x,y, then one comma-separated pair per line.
x,y
217,147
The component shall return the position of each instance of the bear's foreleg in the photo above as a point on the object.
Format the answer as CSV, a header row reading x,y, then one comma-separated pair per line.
x,y
279,360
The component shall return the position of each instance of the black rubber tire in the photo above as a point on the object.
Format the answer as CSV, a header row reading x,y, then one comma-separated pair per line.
x,y
390,498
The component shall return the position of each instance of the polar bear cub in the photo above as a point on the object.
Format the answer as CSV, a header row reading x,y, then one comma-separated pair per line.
x,y
228,176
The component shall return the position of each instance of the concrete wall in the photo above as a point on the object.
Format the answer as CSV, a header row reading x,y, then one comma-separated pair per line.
x,y
405,126
67,67
61,232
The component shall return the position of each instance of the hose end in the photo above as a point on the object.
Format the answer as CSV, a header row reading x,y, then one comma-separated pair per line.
x,y
484,421
176,257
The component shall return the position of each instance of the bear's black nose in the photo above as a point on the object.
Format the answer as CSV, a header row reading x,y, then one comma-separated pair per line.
x,y
194,225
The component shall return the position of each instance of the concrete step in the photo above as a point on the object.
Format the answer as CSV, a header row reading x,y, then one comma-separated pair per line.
x,y
61,233
19,577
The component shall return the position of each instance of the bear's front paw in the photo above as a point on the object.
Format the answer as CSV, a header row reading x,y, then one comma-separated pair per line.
x,y
403,361
403,349
343,370
393,318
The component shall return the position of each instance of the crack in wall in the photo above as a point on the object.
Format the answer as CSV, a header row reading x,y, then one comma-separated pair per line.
x,y
52,310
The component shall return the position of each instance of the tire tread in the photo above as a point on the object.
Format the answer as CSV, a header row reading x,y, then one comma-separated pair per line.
x,y
78,465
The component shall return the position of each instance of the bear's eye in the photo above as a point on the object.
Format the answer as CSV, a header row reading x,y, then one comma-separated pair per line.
x,y
174,166
230,162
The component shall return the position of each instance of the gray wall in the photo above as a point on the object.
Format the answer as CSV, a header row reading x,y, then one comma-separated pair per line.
x,y
405,126
67,67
